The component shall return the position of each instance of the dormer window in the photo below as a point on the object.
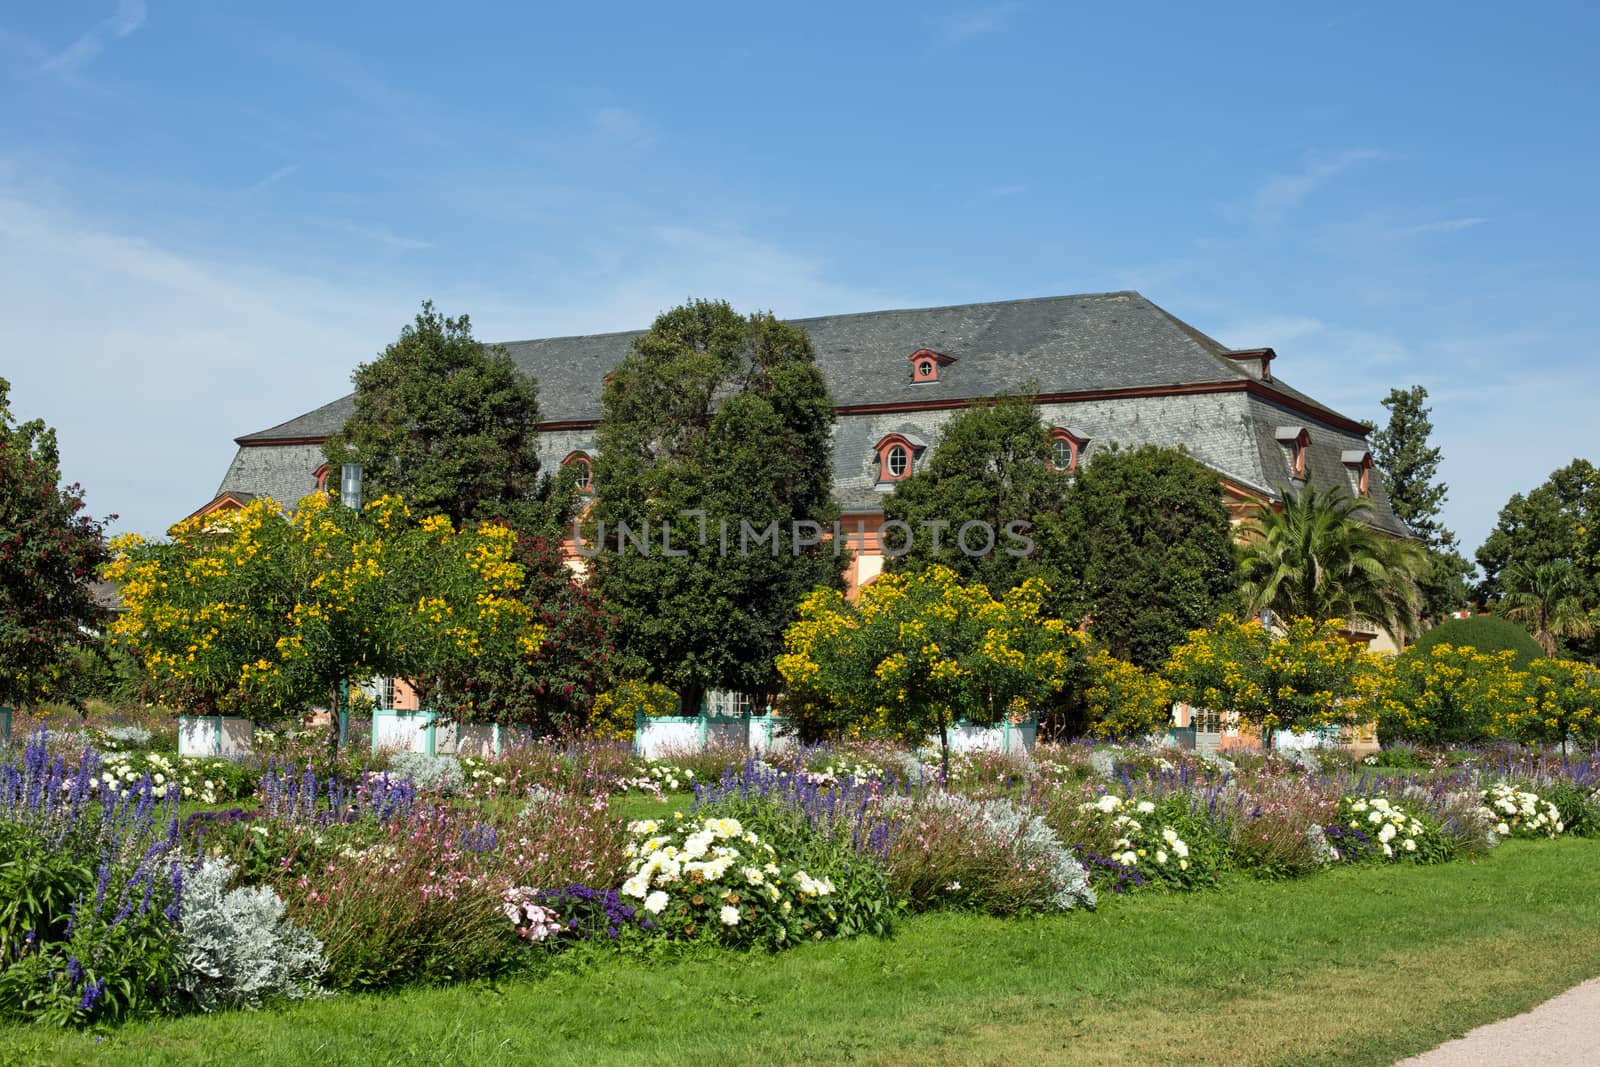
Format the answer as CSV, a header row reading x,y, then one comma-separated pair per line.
x,y
1297,441
1256,362
1066,447
897,457
581,467
925,364
1358,464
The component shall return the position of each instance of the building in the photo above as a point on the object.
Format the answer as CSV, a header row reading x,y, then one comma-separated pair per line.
x,y
1107,367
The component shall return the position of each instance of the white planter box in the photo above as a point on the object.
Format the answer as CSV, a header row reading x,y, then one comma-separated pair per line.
x,y
1285,740
403,731
215,735
416,731
478,739
1010,737
659,737
765,735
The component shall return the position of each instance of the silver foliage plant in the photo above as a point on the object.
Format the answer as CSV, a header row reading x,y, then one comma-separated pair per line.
x,y
1033,845
129,735
236,949
430,774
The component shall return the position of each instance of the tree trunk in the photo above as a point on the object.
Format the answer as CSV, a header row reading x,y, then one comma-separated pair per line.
x,y
333,722
944,744
689,699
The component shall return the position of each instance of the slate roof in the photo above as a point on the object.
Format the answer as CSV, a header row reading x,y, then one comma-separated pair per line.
x,y
1067,347
1065,344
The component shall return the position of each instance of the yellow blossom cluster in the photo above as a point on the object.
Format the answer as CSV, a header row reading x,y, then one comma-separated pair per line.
x,y
259,611
1125,700
1560,703
1308,675
921,650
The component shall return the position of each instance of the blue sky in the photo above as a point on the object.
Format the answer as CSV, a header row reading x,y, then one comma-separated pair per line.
x,y
210,212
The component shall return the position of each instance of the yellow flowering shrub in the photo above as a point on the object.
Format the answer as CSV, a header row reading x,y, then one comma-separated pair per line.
x,y
1125,700
1308,676
1447,694
260,613
1560,703
919,651
615,710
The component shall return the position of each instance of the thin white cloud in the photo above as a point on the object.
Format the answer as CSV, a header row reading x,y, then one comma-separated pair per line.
x,y
1272,331
1439,226
959,26
621,126
149,361
129,16
272,179
624,285
1280,194
386,237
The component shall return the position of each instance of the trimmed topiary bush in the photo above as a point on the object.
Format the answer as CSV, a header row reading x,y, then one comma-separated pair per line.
x,y
1486,633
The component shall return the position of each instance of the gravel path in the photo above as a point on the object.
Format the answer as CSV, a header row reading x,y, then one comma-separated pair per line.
x,y
1563,1032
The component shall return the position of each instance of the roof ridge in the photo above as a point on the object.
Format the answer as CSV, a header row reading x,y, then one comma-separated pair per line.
x,y
873,314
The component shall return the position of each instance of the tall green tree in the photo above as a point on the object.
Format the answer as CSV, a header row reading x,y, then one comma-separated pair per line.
x,y
1558,520
1547,598
990,467
451,425
552,689
717,428
49,551
1148,540
1315,557
1402,452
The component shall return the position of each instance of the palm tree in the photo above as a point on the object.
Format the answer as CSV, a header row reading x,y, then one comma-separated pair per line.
x,y
1544,597
1316,557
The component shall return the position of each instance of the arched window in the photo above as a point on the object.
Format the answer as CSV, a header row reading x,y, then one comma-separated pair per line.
x,y
897,457
582,470
1066,447
925,364
897,461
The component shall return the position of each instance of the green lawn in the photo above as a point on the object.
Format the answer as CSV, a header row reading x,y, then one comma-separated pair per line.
x,y
633,806
1351,967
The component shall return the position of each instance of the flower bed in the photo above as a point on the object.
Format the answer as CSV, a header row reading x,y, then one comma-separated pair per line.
x,y
443,868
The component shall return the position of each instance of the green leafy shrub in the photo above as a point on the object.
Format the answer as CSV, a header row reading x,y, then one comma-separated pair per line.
x,y
1402,756
1486,633
1579,807
827,838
